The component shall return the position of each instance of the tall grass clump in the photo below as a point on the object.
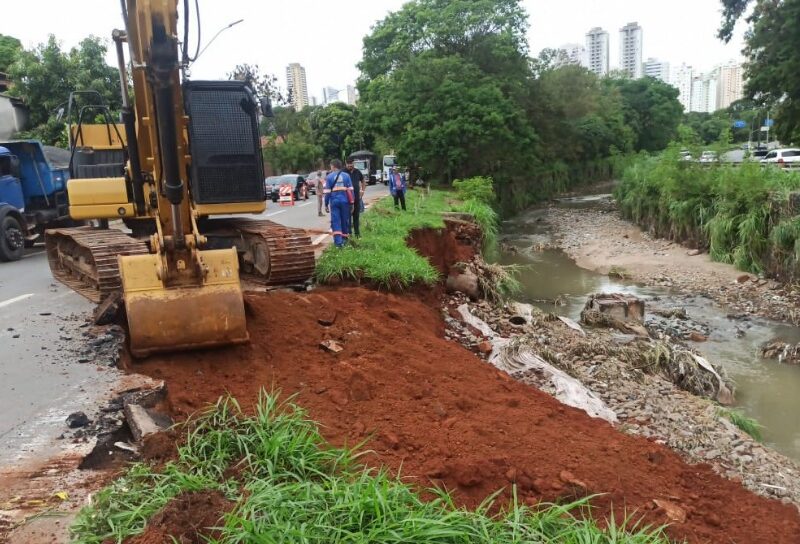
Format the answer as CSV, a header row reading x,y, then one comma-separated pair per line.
x,y
741,214
287,485
747,424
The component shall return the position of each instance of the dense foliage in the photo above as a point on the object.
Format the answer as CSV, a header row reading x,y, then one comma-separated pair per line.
x,y
773,67
44,76
450,85
744,215
9,51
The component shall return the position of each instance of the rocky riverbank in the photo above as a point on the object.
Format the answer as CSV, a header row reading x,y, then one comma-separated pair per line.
x,y
600,240
644,402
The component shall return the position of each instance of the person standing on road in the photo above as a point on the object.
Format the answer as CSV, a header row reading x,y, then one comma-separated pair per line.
x,y
397,186
357,179
339,201
320,193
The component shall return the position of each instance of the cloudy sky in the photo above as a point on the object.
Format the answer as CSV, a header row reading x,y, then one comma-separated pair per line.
x,y
325,36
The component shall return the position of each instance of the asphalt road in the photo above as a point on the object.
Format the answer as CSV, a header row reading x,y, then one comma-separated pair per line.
x,y
41,337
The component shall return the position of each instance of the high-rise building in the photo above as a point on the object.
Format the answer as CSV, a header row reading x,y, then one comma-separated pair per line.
x,y
704,92
330,95
296,85
571,53
658,69
630,50
730,84
352,97
682,80
597,51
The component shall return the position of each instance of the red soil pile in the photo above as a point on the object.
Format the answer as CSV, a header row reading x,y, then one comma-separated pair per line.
x,y
434,412
189,518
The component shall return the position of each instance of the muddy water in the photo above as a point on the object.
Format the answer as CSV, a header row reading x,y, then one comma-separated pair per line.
x,y
766,390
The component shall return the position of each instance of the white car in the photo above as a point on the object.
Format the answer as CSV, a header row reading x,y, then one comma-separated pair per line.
x,y
783,157
708,156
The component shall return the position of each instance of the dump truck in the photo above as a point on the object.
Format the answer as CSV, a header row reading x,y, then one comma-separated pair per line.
x,y
184,161
33,194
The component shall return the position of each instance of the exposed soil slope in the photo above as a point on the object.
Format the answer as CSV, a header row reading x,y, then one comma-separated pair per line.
x,y
437,414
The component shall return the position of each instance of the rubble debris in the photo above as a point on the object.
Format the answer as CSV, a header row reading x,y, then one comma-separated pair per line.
x,y
781,351
617,306
77,419
464,282
328,320
106,312
141,422
331,346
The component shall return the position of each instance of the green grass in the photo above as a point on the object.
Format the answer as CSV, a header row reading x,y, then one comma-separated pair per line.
x,y
741,214
381,255
293,487
746,424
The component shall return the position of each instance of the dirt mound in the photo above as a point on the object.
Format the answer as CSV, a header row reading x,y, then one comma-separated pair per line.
x,y
188,518
438,414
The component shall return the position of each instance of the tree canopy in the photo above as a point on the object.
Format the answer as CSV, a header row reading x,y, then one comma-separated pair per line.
x,y
9,50
44,76
651,109
772,69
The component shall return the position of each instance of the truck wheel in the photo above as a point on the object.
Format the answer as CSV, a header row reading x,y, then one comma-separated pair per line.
x,y
12,240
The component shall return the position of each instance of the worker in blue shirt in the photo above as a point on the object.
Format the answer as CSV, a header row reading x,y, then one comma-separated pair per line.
x,y
339,202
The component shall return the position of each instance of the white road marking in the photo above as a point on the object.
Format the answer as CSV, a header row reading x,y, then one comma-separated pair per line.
x,y
306,204
319,238
11,301
275,213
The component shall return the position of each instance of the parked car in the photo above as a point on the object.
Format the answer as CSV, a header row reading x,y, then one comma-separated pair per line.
x,y
686,155
757,153
272,185
783,157
708,157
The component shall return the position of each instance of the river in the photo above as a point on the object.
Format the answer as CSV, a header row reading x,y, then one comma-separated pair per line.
x,y
766,390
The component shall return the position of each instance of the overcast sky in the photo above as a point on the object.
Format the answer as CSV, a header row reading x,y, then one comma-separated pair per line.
x,y
326,36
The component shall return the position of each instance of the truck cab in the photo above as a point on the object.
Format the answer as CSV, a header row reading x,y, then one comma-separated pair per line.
x,y
32,193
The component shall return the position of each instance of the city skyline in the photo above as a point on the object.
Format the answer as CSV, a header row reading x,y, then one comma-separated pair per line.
x,y
333,62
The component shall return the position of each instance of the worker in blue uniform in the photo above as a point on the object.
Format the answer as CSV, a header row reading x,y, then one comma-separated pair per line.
x,y
339,202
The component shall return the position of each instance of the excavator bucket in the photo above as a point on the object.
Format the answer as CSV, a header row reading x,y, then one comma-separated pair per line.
x,y
180,318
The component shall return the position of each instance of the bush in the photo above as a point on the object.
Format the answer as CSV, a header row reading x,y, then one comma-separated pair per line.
x,y
478,188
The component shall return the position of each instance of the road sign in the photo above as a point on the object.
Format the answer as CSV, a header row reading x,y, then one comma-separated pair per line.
x,y
765,129
739,123
769,122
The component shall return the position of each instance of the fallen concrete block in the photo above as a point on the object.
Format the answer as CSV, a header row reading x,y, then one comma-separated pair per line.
x,y
140,421
106,311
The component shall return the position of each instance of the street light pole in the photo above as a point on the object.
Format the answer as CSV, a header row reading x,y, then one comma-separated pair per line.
x,y
220,31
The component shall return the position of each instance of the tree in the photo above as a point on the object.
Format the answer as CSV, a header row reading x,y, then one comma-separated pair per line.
x,y
9,50
335,130
651,109
264,85
292,154
44,77
772,69
447,115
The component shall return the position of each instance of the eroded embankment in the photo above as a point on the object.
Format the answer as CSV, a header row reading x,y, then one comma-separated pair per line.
x,y
434,412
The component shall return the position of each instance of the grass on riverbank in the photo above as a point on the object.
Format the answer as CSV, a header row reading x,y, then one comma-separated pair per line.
x,y
287,485
743,214
747,424
381,255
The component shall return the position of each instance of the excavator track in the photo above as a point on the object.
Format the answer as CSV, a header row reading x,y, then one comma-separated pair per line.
x,y
270,254
85,259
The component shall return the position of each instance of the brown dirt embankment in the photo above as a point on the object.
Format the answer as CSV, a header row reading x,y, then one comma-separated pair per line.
x,y
435,413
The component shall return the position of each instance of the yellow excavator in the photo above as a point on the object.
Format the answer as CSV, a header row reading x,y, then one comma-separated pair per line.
x,y
184,159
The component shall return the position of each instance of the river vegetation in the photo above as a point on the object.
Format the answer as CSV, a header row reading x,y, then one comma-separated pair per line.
x,y
744,215
284,483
